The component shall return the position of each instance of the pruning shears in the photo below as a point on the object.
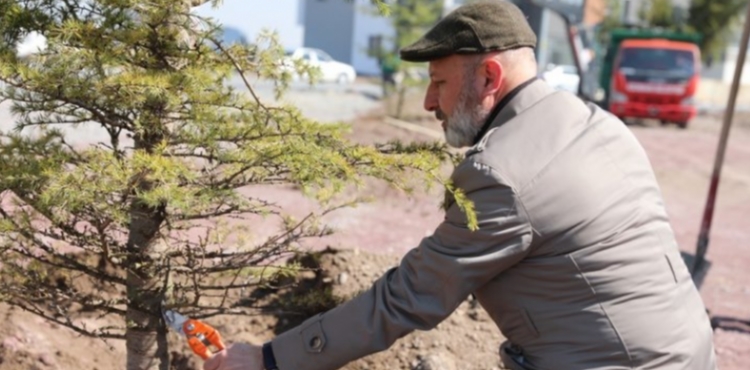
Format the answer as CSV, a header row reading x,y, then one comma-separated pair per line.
x,y
200,336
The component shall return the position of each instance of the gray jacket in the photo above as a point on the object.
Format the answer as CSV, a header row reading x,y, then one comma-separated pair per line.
x,y
574,259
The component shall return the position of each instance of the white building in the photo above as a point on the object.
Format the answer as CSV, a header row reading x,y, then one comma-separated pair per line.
x,y
251,16
347,30
344,29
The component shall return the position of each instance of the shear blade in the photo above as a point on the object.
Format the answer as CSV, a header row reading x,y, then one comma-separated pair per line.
x,y
174,320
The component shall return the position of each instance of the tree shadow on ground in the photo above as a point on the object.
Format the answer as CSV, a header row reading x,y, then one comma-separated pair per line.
x,y
293,300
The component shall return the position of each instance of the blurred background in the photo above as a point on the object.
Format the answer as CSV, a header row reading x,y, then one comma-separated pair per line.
x,y
569,31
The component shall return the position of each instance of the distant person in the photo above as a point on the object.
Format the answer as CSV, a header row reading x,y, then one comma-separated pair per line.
x,y
574,258
389,66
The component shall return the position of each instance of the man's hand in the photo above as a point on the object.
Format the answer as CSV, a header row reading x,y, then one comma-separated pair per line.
x,y
237,356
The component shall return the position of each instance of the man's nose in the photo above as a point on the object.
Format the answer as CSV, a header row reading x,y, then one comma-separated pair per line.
x,y
430,100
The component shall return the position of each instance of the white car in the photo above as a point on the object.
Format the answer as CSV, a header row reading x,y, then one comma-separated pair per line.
x,y
562,77
331,70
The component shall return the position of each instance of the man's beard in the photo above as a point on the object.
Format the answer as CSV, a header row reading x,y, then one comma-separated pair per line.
x,y
462,127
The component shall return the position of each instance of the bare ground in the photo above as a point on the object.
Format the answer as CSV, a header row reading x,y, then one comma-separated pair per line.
x,y
373,236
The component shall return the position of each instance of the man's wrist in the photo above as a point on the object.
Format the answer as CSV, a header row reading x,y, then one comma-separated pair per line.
x,y
269,360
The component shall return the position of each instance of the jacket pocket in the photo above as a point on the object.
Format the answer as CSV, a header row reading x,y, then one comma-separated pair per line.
x,y
671,268
518,326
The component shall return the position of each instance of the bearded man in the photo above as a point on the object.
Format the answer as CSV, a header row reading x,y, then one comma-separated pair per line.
x,y
574,258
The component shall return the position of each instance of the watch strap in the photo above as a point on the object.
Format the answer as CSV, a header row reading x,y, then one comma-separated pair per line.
x,y
269,360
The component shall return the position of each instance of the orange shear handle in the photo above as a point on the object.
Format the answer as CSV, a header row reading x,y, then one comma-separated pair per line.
x,y
200,336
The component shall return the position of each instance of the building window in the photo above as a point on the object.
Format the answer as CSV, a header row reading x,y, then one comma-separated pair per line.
x,y
375,46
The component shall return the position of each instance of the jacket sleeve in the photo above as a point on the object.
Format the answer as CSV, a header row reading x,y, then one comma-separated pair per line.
x,y
430,282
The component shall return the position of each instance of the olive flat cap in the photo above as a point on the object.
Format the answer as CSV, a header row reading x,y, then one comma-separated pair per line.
x,y
476,27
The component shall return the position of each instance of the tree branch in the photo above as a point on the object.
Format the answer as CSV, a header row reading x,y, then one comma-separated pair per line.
x,y
100,333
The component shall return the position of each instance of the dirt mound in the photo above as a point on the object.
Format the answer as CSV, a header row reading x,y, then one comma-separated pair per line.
x,y
466,340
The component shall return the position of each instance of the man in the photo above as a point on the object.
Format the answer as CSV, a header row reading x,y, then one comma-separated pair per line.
x,y
574,258
389,67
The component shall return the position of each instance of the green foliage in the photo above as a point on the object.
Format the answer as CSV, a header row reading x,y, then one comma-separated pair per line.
x,y
715,21
611,21
454,194
148,211
383,8
412,18
658,13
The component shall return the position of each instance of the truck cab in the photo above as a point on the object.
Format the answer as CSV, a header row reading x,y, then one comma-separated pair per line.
x,y
655,79
652,75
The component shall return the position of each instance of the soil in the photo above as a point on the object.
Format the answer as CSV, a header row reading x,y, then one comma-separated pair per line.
x,y
467,337
370,239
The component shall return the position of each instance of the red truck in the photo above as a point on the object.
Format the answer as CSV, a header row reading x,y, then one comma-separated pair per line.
x,y
653,76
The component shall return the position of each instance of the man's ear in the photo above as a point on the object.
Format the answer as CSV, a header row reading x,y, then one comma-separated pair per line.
x,y
493,74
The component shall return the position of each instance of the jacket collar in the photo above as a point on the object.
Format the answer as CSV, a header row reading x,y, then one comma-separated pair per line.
x,y
516,101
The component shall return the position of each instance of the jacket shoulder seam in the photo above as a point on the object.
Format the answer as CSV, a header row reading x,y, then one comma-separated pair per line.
x,y
517,200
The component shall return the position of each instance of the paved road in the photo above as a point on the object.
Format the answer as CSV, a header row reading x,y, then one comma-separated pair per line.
x,y
324,102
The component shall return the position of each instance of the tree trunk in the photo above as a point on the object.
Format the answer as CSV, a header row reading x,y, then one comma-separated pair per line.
x,y
145,336
146,333
400,101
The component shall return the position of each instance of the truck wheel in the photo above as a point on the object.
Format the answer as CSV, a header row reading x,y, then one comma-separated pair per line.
x,y
682,125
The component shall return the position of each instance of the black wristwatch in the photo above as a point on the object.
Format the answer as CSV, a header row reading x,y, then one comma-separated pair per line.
x,y
269,361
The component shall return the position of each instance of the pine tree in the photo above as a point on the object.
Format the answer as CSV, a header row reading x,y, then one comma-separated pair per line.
x,y
107,228
412,18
